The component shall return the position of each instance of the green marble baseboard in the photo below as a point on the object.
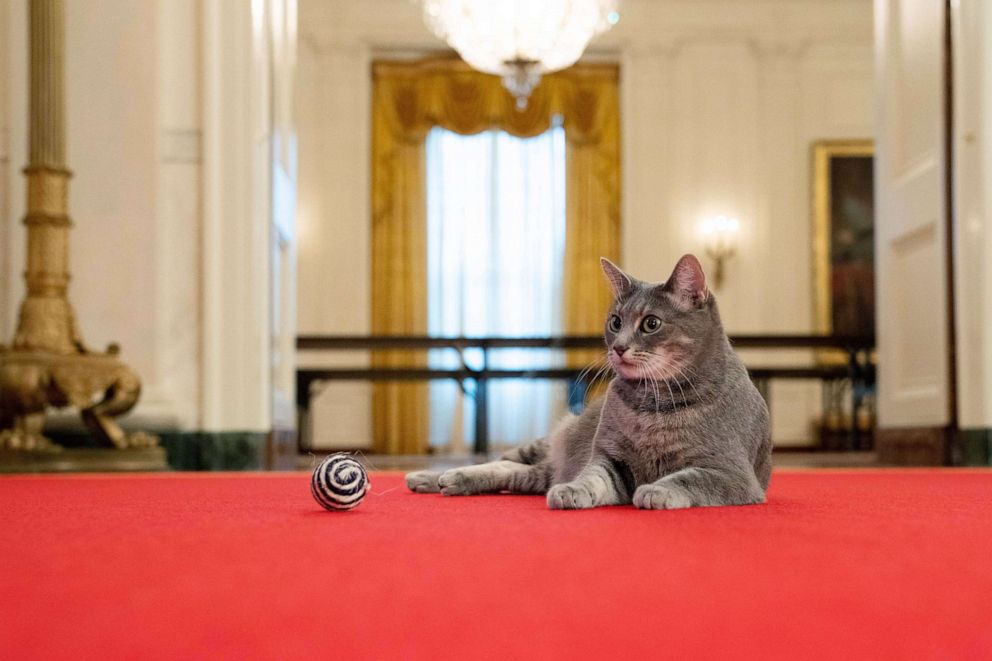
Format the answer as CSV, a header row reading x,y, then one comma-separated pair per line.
x,y
215,451
83,460
207,451
973,447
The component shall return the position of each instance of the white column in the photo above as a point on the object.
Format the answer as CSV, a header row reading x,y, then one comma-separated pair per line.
x,y
235,245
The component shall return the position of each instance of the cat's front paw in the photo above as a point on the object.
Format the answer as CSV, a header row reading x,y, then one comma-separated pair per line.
x,y
658,497
457,482
570,496
423,481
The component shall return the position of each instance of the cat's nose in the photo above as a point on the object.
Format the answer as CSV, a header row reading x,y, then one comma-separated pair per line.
x,y
621,350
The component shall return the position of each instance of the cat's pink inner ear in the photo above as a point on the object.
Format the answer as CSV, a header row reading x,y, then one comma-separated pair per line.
x,y
619,281
688,280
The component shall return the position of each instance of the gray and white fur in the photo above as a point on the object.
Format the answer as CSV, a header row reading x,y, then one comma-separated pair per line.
x,y
680,425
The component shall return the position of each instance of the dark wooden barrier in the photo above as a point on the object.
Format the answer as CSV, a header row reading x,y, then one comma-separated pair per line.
x,y
857,368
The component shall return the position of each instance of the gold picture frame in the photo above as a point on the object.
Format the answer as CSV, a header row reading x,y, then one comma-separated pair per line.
x,y
825,193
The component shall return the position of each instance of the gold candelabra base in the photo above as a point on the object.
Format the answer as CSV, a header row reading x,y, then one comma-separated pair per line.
x,y
98,384
47,364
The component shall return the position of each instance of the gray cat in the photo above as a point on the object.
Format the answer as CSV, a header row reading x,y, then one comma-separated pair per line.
x,y
681,424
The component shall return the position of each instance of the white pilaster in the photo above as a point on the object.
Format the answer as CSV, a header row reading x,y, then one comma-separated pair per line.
x,y
972,140
235,245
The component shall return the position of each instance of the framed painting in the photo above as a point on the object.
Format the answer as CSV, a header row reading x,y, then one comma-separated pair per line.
x,y
844,237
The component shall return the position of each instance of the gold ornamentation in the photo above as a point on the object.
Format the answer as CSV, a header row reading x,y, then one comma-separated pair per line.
x,y
31,381
822,153
47,364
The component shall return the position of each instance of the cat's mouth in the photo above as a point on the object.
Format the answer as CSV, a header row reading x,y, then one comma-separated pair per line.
x,y
630,367
625,367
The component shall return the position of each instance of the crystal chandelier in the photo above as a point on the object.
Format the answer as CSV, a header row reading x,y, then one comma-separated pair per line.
x,y
519,40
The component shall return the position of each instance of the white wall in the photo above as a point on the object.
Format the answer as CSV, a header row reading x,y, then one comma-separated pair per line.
x,y
333,226
721,100
13,22
168,137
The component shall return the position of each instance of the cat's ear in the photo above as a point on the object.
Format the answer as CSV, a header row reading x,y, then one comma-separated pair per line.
x,y
620,282
687,284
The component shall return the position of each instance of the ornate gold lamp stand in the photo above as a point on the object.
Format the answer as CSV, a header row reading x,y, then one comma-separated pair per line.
x,y
47,364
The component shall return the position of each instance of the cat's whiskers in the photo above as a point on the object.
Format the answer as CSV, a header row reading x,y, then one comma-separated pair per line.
x,y
649,370
671,393
655,375
603,371
599,364
685,400
603,367
685,376
641,379
645,374
657,392
654,383
666,376
596,362
692,372
646,368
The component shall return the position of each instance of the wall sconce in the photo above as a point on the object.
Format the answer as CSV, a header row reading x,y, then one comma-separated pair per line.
x,y
720,242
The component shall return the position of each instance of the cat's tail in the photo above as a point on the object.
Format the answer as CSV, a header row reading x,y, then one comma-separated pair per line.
x,y
530,453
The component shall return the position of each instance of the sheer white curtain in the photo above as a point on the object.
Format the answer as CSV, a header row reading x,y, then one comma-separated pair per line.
x,y
496,242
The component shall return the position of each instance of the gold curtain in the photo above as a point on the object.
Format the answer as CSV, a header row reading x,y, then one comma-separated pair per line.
x,y
409,99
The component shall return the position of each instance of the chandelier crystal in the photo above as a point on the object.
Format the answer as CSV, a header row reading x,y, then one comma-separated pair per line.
x,y
520,40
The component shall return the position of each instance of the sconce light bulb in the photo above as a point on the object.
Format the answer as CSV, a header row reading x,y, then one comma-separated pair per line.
x,y
721,226
720,241
720,234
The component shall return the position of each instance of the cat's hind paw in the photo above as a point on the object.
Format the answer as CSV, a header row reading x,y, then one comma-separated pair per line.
x,y
423,481
570,496
658,497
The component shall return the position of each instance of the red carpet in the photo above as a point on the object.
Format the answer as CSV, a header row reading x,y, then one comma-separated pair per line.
x,y
838,565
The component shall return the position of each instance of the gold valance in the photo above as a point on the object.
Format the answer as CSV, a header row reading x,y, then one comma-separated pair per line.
x,y
415,97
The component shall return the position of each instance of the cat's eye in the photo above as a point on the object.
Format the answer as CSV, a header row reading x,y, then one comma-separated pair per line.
x,y
650,324
615,323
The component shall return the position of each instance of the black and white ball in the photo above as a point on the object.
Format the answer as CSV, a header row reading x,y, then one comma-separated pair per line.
x,y
339,482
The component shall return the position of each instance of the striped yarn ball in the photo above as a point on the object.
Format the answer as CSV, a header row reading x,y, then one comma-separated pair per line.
x,y
339,482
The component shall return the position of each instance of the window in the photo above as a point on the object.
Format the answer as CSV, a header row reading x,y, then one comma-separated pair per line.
x,y
496,241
